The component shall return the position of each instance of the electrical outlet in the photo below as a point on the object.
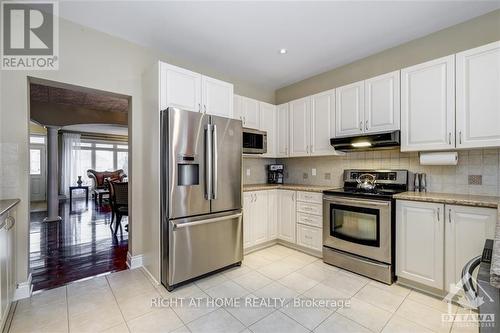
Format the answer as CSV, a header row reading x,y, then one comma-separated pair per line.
x,y
475,180
328,176
305,175
248,172
313,171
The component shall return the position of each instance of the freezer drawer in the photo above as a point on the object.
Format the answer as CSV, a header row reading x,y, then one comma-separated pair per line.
x,y
204,244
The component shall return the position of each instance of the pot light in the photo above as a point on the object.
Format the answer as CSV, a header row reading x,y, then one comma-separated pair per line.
x,y
361,144
283,51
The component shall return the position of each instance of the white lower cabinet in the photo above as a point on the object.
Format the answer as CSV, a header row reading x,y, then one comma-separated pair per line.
x,y
309,220
7,264
434,241
272,213
309,237
286,215
255,218
466,229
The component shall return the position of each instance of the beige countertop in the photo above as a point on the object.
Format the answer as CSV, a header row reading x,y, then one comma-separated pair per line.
x,y
292,187
451,198
7,204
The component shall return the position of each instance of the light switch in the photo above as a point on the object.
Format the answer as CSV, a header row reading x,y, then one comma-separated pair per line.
x,y
248,172
313,171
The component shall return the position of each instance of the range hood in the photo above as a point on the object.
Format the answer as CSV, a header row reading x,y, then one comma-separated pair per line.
x,y
367,142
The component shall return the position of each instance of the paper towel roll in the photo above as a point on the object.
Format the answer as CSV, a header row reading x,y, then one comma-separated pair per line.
x,y
439,158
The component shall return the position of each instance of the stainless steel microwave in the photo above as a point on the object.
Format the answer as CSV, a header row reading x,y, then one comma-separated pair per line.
x,y
254,141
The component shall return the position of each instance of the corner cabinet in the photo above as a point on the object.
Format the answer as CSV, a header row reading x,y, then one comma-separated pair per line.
x,y
286,215
282,130
428,105
434,241
420,242
300,126
255,218
192,91
478,97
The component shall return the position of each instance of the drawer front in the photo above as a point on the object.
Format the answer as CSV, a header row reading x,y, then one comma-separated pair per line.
x,y
309,237
310,197
309,219
310,208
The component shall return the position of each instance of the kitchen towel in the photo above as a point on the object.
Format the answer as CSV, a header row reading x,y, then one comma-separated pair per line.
x,y
439,158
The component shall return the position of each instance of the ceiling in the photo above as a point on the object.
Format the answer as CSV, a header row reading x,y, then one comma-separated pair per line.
x,y
108,129
241,39
68,97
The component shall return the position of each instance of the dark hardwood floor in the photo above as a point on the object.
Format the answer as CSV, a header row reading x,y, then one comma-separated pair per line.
x,y
80,246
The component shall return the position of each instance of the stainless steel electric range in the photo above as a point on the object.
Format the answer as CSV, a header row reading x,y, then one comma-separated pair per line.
x,y
359,222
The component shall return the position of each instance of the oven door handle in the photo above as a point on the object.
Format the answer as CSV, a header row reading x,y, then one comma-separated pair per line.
x,y
339,200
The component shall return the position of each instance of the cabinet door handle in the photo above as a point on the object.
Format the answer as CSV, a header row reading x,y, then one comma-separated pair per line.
x,y
460,137
449,138
199,107
361,126
438,213
293,196
366,125
449,216
205,108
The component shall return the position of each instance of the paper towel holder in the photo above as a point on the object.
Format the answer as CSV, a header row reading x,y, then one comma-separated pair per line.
x,y
438,158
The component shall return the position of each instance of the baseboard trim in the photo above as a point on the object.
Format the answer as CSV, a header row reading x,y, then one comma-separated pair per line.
x,y
149,275
24,289
134,261
260,246
317,254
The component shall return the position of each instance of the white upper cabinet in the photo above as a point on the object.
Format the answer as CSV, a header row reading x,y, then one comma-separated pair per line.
x,y
268,124
349,109
250,112
237,107
382,103
322,123
428,105
466,230
192,91
300,120
180,88
282,133
478,97
217,97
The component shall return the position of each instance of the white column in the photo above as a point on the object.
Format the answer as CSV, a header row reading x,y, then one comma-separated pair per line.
x,y
52,176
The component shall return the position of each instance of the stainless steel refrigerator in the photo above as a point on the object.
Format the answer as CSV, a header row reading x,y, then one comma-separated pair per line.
x,y
202,227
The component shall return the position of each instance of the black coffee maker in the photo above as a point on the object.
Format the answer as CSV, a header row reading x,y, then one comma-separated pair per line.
x,y
275,173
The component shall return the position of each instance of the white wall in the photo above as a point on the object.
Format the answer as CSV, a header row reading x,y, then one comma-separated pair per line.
x,y
95,60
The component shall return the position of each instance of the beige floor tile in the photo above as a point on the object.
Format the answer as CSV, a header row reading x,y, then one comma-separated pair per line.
x,y
182,329
379,297
138,305
302,257
96,318
466,326
298,282
423,315
323,291
254,261
277,270
277,322
293,262
277,290
179,292
308,316
162,320
248,313
211,281
227,289
193,306
400,325
281,250
217,321
44,298
317,271
121,328
133,290
51,317
337,323
433,302
366,314
347,283
394,288
253,281
93,285
234,272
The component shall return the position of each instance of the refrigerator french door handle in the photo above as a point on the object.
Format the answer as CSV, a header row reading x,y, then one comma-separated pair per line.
x,y
208,162
215,157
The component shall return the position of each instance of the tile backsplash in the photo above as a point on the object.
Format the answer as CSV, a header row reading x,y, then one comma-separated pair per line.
x,y
256,166
480,164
